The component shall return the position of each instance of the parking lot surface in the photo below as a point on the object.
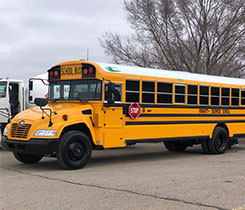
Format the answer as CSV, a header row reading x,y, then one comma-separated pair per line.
x,y
144,176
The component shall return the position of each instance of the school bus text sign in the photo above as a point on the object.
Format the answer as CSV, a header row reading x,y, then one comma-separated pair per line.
x,y
134,110
71,72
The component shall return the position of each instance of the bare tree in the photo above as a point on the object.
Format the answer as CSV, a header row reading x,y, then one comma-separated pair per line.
x,y
200,36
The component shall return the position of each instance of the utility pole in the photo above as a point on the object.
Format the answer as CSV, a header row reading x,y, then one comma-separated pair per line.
x,y
87,54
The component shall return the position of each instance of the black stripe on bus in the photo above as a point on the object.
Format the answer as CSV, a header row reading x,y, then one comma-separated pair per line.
x,y
165,139
190,106
155,140
192,115
175,106
180,122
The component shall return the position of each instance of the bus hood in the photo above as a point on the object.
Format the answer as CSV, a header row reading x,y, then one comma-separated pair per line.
x,y
73,109
26,123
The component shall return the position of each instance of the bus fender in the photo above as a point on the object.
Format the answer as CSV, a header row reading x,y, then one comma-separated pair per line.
x,y
86,127
223,125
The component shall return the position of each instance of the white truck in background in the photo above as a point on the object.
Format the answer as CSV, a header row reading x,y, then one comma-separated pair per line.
x,y
15,97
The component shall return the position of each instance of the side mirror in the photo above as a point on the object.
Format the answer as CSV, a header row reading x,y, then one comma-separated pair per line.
x,y
30,85
41,101
111,91
29,91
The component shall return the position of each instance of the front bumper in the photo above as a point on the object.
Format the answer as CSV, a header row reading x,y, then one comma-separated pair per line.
x,y
33,146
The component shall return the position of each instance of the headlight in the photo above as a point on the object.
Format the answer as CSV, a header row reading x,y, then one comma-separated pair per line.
x,y
6,129
46,133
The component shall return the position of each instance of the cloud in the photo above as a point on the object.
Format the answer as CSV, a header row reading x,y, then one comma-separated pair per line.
x,y
37,34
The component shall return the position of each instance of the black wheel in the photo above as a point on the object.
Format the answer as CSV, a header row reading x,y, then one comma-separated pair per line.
x,y
74,150
27,158
219,143
177,146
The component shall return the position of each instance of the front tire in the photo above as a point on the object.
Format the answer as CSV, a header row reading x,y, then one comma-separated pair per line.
x,y
74,150
27,158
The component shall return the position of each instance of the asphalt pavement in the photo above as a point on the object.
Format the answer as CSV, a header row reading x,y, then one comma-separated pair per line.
x,y
144,176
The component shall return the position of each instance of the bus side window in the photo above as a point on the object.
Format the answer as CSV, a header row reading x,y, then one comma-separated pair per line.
x,y
215,94
243,97
164,93
204,95
117,95
235,97
148,92
225,98
180,93
133,91
192,94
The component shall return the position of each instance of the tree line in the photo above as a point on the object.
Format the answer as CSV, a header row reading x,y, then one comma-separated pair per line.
x,y
201,36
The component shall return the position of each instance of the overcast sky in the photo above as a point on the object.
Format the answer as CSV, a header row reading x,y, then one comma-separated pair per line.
x,y
36,34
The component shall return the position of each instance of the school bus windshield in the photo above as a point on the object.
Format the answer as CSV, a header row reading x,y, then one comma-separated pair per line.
x,y
82,90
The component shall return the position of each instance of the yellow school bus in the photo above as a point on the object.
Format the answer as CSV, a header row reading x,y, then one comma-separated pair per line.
x,y
99,106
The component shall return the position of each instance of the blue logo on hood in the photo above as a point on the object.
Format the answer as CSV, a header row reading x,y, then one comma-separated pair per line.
x,y
22,122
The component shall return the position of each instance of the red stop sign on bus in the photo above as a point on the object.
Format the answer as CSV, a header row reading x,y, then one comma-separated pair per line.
x,y
134,110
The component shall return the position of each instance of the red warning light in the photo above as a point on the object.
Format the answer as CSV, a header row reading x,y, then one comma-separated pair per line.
x,y
91,71
51,74
65,117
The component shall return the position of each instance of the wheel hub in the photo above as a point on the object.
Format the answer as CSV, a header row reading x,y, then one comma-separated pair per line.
x,y
76,151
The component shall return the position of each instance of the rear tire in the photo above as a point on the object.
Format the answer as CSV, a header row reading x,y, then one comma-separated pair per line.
x,y
74,150
219,142
177,146
27,158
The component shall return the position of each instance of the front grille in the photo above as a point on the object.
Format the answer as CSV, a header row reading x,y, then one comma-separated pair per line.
x,y
20,131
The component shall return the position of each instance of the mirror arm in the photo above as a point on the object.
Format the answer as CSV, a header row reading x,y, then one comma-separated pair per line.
x,y
48,115
30,87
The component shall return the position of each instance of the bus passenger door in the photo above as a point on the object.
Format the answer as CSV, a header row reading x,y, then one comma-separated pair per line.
x,y
113,126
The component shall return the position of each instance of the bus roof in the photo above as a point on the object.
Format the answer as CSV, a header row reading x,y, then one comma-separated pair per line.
x,y
132,70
